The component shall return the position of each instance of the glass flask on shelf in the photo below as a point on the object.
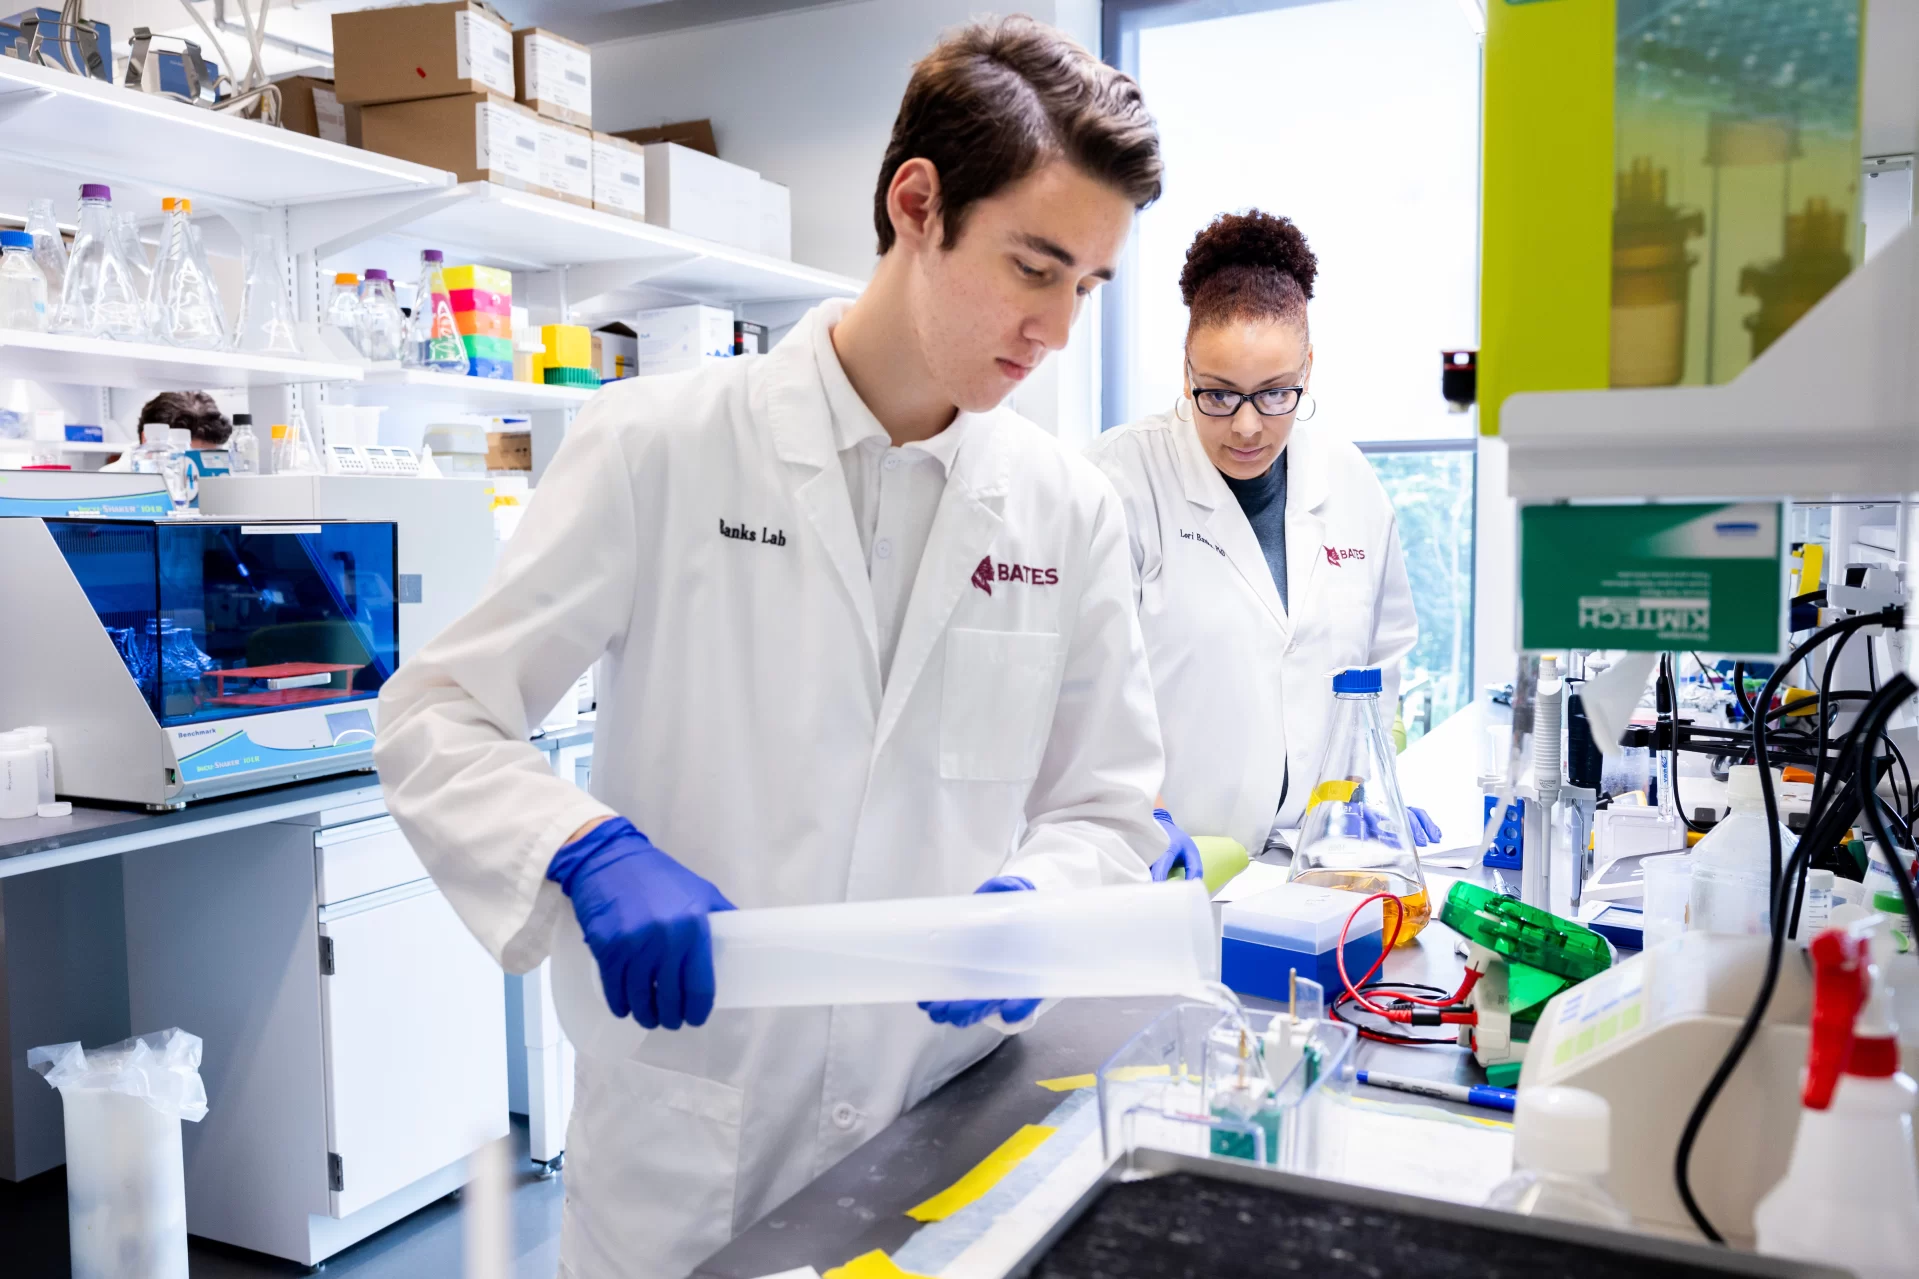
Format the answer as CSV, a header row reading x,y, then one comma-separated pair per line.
x,y
126,237
99,297
183,306
432,338
266,308
382,327
343,308
1355,835
23,288
293,449
49,247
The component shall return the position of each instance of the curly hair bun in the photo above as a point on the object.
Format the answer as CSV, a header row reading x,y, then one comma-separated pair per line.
x,y
1250,243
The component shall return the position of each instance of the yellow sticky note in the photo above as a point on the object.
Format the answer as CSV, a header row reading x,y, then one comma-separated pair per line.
x,y
871,1265
986,1174
1068,1083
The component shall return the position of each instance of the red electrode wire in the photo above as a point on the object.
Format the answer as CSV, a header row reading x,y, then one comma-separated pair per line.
x,y
1398,1014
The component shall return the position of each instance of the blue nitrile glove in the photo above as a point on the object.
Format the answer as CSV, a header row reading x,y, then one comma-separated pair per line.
x,y
1425,829
644,916
1182,854
968,1012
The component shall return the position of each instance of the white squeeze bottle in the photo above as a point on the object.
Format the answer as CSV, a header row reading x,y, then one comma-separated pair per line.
x,y
36,737
1562,1149
1732,865
19,777
1850,1196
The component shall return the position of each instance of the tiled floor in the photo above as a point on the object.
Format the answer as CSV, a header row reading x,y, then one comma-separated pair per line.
x,y
33,1236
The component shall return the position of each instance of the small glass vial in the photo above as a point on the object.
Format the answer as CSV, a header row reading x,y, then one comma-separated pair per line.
x,y
1561,1153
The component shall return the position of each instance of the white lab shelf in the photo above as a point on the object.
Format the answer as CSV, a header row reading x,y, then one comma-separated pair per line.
x,y
391,386
64,446
1830,410
62,129
57,357
496,225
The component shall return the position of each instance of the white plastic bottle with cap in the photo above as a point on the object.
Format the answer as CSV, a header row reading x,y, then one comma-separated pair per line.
x,y
1850,1196
19,777
1562,1149
43,759
1732,865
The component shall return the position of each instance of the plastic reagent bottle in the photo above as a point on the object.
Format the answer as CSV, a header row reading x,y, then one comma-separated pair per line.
x,y
99,297
150,458
1732,866
1562,1150
183,475
36,736
1355,834
1850,1196
183,306
382,327
343,308
243,450
49,246
19,777
432,338
23,287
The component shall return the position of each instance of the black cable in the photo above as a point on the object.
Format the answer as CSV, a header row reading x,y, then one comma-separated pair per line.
x,y
1825,713
1345,997
1682,1159
1667,700
1739,690
1712,676
1897,690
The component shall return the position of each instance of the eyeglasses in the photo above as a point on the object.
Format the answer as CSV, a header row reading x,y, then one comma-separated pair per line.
x,y
1274,401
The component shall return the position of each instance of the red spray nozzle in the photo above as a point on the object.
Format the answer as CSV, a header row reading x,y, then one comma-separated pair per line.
x,y
1839,981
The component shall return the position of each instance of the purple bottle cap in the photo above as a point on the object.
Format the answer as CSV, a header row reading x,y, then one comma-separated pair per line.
x,y
95,191
373,273
432,255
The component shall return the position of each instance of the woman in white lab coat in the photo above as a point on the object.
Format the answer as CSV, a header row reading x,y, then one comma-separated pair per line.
x,y
1267,552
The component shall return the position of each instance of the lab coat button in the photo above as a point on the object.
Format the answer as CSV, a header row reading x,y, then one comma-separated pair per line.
x,y
844,1116
892,461
883,548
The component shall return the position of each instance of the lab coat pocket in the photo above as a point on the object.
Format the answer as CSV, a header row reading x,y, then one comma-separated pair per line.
x,y
996,703
661,1151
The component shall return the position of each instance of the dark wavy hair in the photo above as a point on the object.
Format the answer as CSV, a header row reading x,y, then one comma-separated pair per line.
x,y
193,411
996,100
1248,266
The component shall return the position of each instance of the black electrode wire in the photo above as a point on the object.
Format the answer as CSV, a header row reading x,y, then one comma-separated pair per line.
x,y
1825,715
1666,697
1739,690
1712,676
1897,690
1815,832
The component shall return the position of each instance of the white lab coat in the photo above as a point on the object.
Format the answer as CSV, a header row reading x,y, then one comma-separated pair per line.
x,y
744,728
1243,683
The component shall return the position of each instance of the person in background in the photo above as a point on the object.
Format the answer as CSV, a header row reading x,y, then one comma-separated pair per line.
x,y
1266,551
862,634
193,411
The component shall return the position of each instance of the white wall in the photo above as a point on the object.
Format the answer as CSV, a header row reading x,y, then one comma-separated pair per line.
x,y
808,99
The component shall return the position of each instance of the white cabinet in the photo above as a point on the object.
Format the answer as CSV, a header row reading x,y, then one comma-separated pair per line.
x,y
355,1035
415,1035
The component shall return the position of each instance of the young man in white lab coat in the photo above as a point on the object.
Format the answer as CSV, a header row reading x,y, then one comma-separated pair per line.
x,y
862,634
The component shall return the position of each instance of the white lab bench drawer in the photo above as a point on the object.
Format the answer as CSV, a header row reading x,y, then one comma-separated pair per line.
x,y
363,857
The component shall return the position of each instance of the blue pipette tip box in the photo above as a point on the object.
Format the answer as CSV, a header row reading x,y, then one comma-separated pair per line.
x,y
1295,928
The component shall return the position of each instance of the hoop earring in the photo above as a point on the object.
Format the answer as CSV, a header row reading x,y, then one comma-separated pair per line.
x,y
1183,408
1312,403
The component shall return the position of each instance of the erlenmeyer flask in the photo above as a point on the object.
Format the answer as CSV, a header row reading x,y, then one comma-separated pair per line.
x,y
1356,835
382,327
183,305
432,338
126,237
99,298
266,309
49,246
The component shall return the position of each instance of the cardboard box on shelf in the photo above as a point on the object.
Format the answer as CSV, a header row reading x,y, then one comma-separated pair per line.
x,y
776,220
616,353
619,176
694,193
697,134
309,105
554,76
480,137
509,450
676,338
566,162
421,51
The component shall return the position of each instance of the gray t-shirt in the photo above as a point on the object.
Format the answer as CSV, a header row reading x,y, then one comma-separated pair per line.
x,y
1264,501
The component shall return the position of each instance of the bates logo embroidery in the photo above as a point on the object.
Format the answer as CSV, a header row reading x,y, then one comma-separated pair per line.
x,y
988,572
1334,556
